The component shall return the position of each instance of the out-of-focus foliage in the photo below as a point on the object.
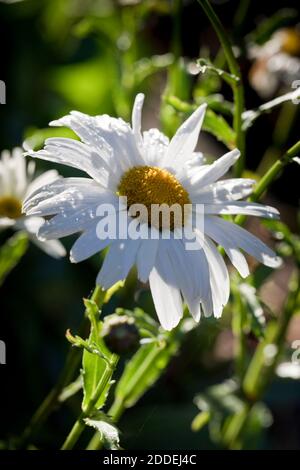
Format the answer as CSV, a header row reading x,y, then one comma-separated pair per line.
x,y
94,56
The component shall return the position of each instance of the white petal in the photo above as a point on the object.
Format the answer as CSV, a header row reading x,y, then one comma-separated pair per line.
x,y
6,222
52,248
77,155
64,188
190,166
208,174
192,273
155,146
13,176
137,118
166,295
146,258
223,190
242,207
87,245
185,140
87,129
66,196
219,277
62,225
227,233
42,180
119,135
237,259
117,263
32,225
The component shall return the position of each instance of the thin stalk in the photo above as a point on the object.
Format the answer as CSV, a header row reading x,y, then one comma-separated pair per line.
x,y
259,374
237,88
240,344
52,399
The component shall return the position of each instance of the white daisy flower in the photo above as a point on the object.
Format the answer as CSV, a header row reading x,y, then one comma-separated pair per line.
x,y
17,183
122,161
277,62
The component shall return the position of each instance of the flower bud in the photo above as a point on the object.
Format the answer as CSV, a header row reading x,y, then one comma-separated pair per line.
x,y
120,334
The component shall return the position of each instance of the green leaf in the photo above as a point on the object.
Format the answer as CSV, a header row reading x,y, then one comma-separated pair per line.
x,y
200,420
11,253
35,138
220,402
218,126
216,102
147,66
142,371
108,431
213,123
71,390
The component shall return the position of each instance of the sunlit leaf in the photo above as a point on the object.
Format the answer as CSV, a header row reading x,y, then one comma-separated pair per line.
x,y
93,366
109,434
11,253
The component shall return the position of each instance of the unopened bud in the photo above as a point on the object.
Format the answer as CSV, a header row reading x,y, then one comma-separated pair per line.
x,y
120,334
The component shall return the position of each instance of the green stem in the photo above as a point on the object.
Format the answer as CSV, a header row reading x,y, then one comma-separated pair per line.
x,y
238,89
270,176
79,426
52,399
238,94
240,345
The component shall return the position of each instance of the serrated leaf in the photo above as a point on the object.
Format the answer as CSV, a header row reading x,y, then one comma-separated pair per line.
x,y
11,253
93,366
218,126
108,431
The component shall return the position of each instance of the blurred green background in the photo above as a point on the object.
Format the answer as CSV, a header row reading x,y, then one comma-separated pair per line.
x,y
93,56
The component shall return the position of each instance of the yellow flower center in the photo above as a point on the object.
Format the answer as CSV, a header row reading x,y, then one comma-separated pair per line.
x,y
291,41
149,185
10,207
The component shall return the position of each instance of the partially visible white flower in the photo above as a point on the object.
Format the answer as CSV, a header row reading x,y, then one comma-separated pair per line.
x,y
289,370
16,184
277,62
121,160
